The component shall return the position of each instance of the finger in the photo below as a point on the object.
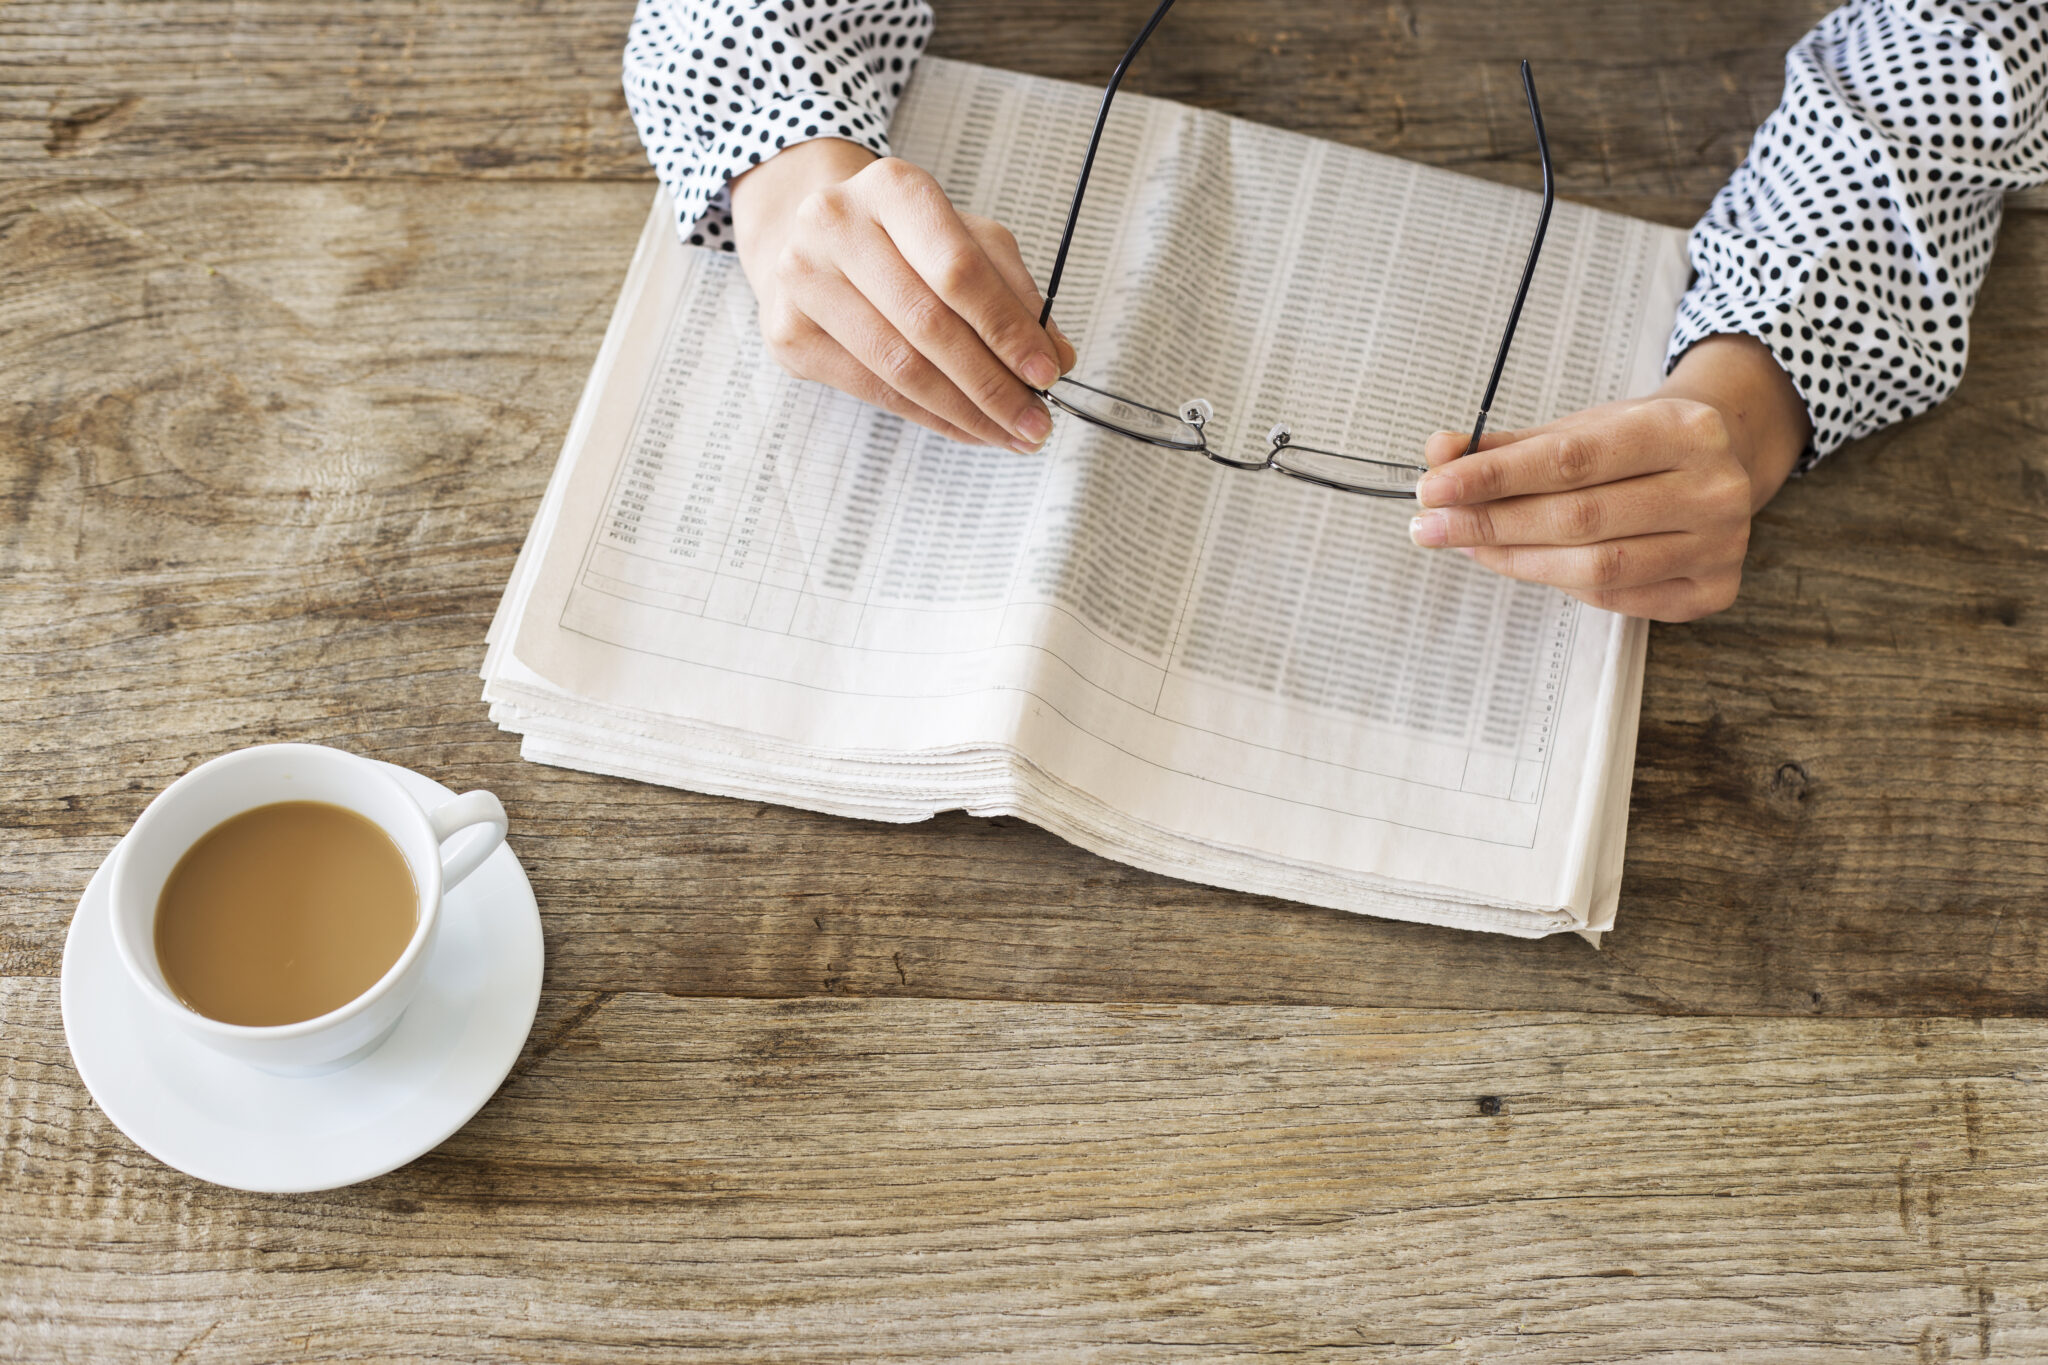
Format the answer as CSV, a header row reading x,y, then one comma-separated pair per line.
x,y
834,366
954,262
1068,355
1608,566
1553,461
1582,516
935,286
799,346
1677,599
944,340
839,228
1001,248
843,313
1444,446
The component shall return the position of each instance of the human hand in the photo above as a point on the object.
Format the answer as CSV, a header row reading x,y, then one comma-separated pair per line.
x,y
869,280
1640,507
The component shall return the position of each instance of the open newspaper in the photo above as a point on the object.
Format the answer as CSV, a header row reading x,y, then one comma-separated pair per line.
x,y
744,584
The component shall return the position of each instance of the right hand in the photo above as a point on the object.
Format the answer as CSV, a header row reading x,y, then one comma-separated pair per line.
x,y
869,280
1641,506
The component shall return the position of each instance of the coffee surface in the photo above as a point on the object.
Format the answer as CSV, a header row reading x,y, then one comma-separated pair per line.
x,y
283,913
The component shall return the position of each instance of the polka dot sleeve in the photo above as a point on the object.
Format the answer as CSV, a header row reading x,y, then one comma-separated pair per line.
x,y
716,86
1854,237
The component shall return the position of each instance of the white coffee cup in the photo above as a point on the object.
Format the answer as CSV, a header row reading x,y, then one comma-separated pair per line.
x,y
226,786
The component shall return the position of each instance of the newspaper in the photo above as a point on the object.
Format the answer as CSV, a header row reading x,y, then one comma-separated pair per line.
x,y
745,584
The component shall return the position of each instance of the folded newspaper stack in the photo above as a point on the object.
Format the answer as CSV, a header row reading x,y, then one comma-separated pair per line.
x,y
743,584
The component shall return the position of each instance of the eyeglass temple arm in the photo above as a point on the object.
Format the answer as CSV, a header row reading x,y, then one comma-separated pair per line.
x,y
1507,337
1059,264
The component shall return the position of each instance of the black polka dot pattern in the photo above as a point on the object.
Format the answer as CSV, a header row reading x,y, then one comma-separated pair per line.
x,y
716,86
1853,239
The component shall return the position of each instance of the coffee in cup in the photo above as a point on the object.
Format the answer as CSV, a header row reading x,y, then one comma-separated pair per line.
x,y
284,912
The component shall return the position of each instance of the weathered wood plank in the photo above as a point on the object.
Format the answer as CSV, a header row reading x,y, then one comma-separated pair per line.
x,y
1648,105
721,1180
387,87
270,450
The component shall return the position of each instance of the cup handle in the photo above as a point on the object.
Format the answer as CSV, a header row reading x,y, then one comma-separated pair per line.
x,y
451,817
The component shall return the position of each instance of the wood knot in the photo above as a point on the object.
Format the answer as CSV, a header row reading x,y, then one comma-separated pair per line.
x,y
82,129
1791,782
1489,1106
2004,610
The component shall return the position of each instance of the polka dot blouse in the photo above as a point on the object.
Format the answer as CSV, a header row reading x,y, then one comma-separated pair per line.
x,y
717,86
1854,237
1852,240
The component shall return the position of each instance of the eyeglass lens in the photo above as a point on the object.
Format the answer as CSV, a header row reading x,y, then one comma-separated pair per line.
x,y
1122,415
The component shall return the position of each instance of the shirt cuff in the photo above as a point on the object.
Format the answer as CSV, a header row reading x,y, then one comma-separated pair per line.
x,y
1856,366
1705,312
734,146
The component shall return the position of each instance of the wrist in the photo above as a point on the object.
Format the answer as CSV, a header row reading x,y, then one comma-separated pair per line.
x,y
765,197
1764,415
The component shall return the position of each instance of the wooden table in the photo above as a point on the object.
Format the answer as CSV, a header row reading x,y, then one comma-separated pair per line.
x,y
295,300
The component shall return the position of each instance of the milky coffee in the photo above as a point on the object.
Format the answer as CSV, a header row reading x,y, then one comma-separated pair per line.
x,y
283,913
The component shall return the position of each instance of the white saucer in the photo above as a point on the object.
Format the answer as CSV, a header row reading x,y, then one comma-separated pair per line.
x,y
228,1123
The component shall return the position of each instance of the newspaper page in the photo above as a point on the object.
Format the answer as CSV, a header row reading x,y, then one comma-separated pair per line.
x,y
744,583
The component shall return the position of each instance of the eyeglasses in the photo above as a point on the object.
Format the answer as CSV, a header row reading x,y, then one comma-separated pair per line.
x,y
1184,427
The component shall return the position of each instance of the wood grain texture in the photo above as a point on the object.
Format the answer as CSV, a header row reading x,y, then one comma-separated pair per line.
x,y
271,449
732,1181
1649,105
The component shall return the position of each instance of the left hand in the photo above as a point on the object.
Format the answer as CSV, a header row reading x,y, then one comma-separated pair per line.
x,y
1640,507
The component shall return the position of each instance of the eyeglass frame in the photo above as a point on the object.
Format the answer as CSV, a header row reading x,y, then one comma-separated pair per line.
x,y
1195,413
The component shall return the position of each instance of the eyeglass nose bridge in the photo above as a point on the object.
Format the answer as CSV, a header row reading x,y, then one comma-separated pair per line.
x,y
1277,440
1264,462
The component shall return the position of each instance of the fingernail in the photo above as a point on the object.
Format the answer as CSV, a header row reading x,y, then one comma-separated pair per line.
x,y
1025,448
1054,328
1034,426
1040,372
1429,530
1436,490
